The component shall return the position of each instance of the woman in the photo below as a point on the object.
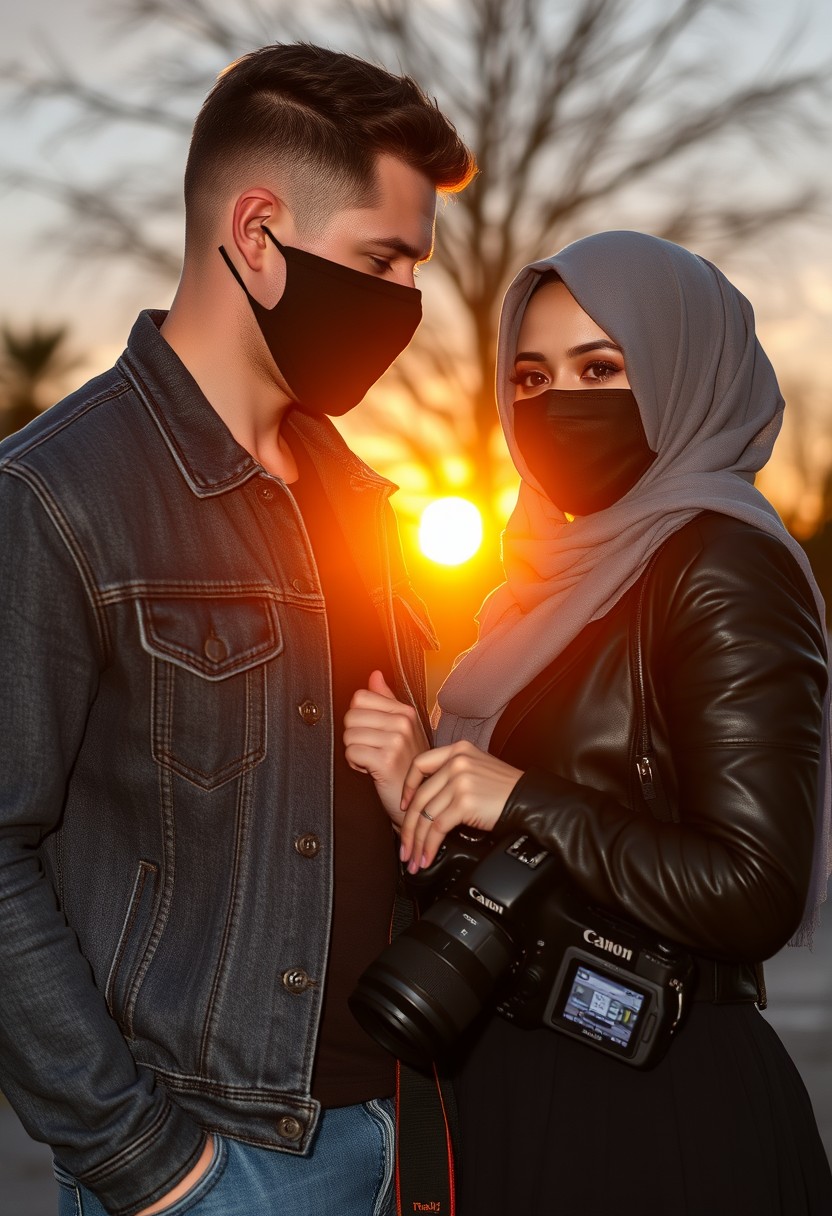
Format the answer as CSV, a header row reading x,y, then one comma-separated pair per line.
x,y
648,701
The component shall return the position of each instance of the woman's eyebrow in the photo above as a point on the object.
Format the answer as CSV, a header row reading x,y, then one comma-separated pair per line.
x,y
586,347
535,356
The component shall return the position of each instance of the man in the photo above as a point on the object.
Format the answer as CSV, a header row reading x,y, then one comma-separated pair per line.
x,y
196,574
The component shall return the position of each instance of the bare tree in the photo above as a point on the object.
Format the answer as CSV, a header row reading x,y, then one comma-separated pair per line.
x,y
583,114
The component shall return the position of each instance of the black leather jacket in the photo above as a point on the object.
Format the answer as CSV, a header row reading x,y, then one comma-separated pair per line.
x,y
717,855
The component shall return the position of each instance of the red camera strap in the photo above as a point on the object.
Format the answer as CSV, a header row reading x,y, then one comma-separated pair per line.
x,y
425,1123
424,1152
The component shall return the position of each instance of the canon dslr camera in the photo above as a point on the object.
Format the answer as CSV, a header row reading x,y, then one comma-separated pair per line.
x,y
505,931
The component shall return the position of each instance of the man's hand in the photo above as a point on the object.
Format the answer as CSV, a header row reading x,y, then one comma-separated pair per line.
x,y
382,736
188,1182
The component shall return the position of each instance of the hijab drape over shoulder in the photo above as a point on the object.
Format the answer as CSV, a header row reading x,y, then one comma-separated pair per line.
x,y
711,410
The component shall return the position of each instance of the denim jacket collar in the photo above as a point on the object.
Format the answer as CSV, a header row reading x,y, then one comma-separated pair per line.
x,y
206,453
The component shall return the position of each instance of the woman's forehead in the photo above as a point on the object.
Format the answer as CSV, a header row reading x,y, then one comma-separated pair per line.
x,y
554,316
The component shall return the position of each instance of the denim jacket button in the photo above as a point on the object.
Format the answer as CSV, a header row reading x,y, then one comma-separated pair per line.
x,y
309,712
215,649
266,493
308,845
296,980
289,1128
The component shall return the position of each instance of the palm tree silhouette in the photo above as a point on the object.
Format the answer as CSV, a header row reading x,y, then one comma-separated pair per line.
x,y
31,361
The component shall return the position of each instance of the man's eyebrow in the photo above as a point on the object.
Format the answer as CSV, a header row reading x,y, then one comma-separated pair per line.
x,y
535,356
399,246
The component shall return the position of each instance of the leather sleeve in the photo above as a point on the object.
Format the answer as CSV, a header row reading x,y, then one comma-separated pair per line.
x,y
737,662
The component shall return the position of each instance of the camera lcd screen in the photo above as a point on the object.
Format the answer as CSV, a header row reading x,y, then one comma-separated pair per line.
x,y
601,1007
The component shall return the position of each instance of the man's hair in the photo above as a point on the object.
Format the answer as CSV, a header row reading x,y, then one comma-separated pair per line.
x,y
315,120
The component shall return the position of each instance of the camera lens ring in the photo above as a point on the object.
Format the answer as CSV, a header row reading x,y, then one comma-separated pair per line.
x,y
432,981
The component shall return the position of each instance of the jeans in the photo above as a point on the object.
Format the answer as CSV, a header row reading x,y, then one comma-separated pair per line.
x,y
350,1171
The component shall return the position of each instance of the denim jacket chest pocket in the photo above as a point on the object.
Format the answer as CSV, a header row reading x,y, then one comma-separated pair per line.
x,y
209,657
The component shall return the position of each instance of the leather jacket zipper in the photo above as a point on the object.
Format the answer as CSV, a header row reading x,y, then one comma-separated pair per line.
x,y
644,761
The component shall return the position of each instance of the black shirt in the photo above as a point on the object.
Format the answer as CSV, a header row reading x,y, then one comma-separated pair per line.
x,y
349,1066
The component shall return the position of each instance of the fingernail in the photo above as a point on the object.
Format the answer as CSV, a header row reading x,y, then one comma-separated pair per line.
x,y
413,866
424,860
402,852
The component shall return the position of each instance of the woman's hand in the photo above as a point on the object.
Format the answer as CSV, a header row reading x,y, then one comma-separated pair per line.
x,y
446,787
381,737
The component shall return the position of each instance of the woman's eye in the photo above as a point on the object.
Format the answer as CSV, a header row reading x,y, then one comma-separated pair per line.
x,y
529,380
600,371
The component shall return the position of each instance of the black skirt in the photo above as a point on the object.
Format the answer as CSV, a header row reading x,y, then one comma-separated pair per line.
x,y
722,1126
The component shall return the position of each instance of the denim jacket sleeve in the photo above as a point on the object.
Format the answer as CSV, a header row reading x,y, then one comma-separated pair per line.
x,y
64,1063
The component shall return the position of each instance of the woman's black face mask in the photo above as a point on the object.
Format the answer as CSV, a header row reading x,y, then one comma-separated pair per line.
x,y
334,330
586,447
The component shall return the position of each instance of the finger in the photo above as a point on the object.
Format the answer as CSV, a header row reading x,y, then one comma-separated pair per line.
x,y
410,822
359,758
382,721
365,699
378,684
381,755
423,765
430,841
432,798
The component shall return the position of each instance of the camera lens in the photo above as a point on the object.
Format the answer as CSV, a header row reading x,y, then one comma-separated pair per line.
x,y
432,981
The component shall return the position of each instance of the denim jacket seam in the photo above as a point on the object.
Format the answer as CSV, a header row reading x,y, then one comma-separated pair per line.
x,y
198,485
64,530
130,1152
137,589
109,394
145,867
256,1095
230,926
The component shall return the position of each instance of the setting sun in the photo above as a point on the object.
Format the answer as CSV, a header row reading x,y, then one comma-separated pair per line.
x,y
450,531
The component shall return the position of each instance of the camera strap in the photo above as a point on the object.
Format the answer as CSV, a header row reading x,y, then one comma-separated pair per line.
x,y
425,1124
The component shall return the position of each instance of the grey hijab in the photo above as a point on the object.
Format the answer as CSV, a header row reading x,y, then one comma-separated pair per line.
x,y
711,409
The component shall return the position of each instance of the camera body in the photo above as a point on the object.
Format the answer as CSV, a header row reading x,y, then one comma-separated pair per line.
x,y
504,931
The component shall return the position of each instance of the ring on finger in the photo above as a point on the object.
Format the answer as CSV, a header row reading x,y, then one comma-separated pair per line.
x,y
425,815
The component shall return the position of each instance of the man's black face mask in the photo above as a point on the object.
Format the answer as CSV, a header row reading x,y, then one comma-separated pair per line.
x,y
586,447
334,331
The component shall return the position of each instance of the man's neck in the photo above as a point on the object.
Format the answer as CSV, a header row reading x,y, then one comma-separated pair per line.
x,y
249,402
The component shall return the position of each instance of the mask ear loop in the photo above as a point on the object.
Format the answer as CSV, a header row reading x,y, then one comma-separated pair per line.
x,y
234,269
272,238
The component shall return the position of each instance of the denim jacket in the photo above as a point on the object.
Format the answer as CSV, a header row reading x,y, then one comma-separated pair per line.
x,y
167,738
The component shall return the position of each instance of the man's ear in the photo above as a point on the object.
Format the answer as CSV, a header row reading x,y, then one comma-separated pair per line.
x,y
252,210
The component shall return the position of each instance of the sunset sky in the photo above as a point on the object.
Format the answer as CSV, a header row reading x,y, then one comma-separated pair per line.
x,y
791,287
